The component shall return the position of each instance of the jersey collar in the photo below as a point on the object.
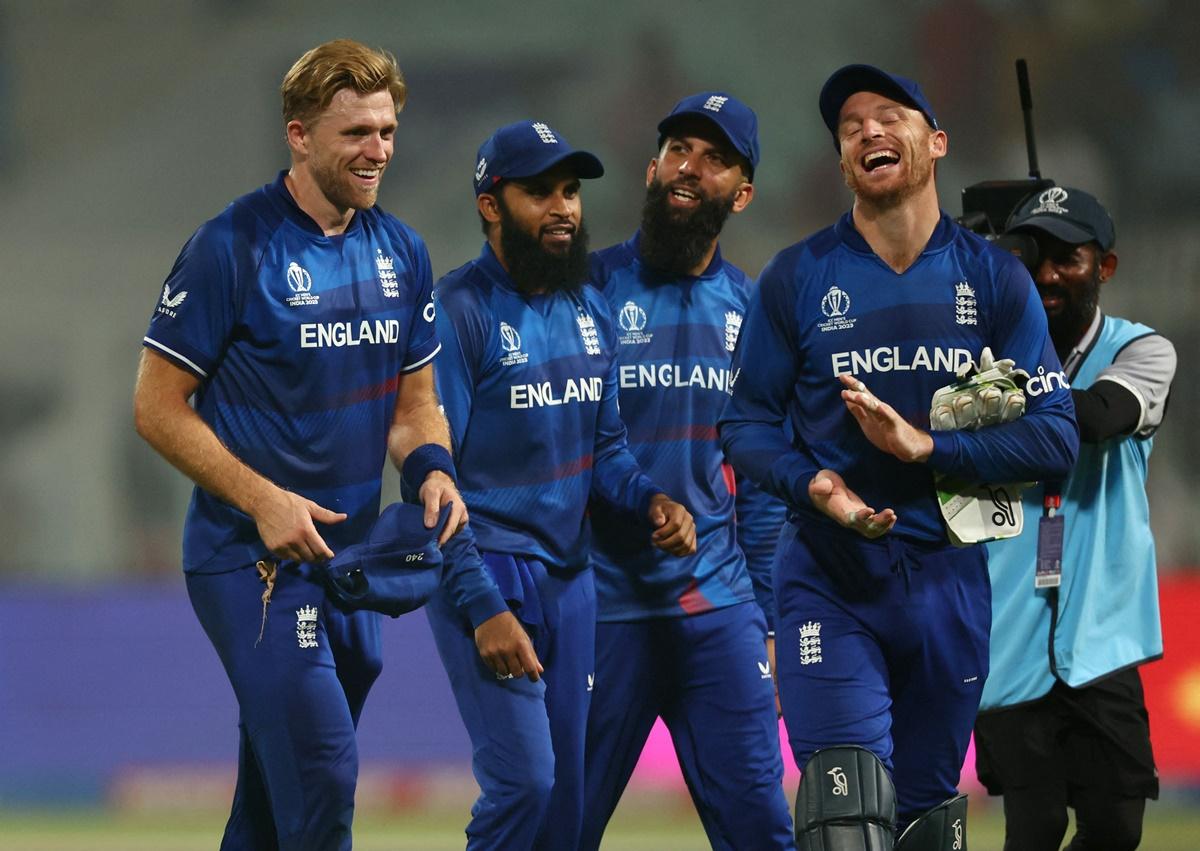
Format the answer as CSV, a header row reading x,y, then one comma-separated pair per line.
x,y
942,234
279,196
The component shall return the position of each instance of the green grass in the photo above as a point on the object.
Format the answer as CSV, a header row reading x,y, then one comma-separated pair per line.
x,y
664,826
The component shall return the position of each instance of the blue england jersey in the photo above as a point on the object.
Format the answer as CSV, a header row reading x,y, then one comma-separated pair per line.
x,y
675,342
299,341
829,305
529,385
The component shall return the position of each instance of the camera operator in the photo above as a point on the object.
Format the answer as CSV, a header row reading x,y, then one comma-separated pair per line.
x,y
1063,719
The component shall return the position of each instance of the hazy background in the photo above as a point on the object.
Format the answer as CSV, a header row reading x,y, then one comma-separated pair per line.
x,y
124,125
127,124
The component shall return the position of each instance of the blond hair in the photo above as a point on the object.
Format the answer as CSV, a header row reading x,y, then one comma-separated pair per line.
x,y
309,87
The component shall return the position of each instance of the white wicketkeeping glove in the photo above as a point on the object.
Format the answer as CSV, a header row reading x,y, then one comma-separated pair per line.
x,y
983,395
990,393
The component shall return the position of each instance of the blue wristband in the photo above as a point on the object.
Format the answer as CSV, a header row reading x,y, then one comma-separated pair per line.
x,y
424,460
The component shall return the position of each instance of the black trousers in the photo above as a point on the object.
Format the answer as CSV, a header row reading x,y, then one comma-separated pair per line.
x,y
1088,749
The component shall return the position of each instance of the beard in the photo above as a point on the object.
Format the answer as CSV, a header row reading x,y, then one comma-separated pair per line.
x,y
1068,326
532,268
920,169
674,242
337,189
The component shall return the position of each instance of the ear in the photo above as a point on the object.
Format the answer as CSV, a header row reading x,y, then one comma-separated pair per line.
x,y
488,208
743,197
651,171
939,144
1108,265
297,137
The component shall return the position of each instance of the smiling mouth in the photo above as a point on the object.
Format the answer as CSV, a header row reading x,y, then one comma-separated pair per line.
x,y
880,159
684,196
559,233
367,174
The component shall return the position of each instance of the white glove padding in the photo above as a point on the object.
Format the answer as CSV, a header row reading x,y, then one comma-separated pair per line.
x,y
983,395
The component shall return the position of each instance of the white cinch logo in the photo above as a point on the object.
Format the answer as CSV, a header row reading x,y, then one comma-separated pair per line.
x,y
733,327
965,312
481,169
632,317
1050,201
764,670
841,785
509,338
715,103
958,835
385,267
545,133
591,681
587,333
810,643
170,302
306,626
300,282
1044,382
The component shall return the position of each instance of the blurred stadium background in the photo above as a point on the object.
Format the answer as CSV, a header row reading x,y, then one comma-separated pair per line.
x,y
128,123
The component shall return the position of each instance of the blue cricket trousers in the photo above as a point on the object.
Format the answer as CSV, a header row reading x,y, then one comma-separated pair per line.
x,y
707,677
883,644
300,691
527,738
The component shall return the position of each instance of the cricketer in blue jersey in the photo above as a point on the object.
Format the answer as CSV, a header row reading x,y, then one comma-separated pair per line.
x,y
686,638
882,625
528,381
300,320
1063,719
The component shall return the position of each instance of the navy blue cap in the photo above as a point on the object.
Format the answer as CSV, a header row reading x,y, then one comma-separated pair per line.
x,y
732,117
395,570
525,149
1071,215
852,79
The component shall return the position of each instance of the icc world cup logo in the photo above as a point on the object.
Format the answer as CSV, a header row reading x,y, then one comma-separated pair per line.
x,y
509,338
835,303
632,317
298,278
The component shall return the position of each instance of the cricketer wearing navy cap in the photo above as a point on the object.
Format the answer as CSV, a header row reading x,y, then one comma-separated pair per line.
x,y
851,79
528,382
733,118
882,622
685,639
525,149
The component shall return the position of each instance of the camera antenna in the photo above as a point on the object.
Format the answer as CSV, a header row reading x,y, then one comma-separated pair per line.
x,y
1027,113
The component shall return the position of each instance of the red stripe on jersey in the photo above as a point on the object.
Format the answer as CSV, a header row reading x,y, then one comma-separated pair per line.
x,y
692,601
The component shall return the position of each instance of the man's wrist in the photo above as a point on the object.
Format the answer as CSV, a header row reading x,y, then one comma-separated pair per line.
x,y
923,447
425,459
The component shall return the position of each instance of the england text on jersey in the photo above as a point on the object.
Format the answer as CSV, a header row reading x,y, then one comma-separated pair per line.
x,y
320,335
897,358
543,393
674,375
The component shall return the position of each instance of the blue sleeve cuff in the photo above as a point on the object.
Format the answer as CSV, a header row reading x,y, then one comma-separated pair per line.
x,y
483,606
945,450
644,505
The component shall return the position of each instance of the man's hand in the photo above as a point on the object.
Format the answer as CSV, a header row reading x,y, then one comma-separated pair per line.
x,y
887,430
505,647
830,495
774,675
674,528
286,525
983,395
438,491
